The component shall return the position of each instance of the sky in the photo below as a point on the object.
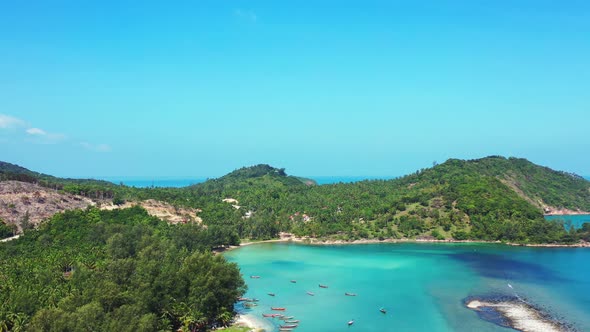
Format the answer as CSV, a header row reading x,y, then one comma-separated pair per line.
x,y
321,88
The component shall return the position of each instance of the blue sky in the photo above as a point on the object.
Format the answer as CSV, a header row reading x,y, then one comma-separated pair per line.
x,y
375,88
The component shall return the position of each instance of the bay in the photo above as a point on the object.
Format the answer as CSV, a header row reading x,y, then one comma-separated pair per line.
x,y
422,286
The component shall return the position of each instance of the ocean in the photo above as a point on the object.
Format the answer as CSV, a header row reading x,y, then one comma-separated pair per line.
x,y
177,182
421,286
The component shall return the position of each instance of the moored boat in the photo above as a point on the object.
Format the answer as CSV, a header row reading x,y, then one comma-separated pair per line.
x,y
323,286
350,294
293,281
285,329
350,322
292,321
255,277
310,293
271,294
278,308
290,326
287,317
383,310
267,315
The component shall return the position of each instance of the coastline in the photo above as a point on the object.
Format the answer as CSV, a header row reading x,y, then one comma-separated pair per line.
x,y
518,315
253,323
287,237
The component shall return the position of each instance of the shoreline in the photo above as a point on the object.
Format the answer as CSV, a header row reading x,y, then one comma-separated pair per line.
x,y
250,321
287,237
518,315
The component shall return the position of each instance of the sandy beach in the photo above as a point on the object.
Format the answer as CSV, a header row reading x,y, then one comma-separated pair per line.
x,y
254,323
520,315
287,237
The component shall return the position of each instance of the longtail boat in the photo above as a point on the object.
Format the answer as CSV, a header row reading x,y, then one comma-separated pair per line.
x,y
278,308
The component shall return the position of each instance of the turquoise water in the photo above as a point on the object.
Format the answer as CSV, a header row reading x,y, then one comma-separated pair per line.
x,y
422,286
576,220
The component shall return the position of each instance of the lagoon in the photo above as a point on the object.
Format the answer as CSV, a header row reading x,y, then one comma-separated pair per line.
x,y
422,286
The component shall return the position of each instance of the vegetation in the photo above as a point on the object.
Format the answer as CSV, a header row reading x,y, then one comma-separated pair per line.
x,y
124,270
120,270
492,198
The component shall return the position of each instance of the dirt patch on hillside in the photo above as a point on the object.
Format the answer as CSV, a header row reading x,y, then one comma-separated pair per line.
x,y
162,210
20,201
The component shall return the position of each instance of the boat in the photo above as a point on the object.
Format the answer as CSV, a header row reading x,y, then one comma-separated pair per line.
x,y
350,294
285,329
267,315
271,294
243,299
292,321
253,300
250,304
310,293
323,286
293,281
277,316
350,322
278,308
290,326
287,317
255,277
383,310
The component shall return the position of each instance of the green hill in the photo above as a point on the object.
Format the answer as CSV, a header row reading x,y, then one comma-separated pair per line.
x,y
492,198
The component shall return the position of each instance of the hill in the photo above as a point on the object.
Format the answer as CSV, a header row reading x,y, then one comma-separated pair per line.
x,y
492,198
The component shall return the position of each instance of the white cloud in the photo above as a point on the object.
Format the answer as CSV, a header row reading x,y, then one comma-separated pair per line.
x,y
36,131
21,130
246,14
7,121
40,136
96,147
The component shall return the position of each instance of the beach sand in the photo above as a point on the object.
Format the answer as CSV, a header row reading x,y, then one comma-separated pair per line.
x,y
522,317
254,323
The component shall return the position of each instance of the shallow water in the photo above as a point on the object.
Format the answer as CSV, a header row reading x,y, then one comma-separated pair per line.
x,y
575,220
422,286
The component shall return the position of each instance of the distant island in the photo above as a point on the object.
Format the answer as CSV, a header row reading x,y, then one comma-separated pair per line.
x,y
100,256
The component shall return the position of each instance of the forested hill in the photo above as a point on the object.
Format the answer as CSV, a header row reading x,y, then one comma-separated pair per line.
x,y
492,198
10,171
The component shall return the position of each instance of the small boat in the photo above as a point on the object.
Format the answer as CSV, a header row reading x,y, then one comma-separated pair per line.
x,y
323,286
250,304
350,294
350,322
383,310
290,326
279,316
243,299
271,294
310,293
292,321
278,308
294,281
285,329
255,277
287,317
253,300
267,315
